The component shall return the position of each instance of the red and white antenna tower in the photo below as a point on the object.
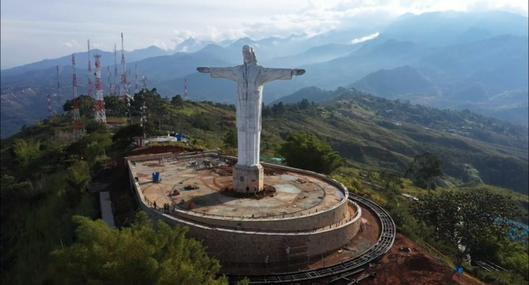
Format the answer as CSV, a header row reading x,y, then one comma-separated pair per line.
x,y
100,115
76,116
90,87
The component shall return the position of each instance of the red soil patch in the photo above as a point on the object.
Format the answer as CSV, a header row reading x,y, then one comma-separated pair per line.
x,y
415,267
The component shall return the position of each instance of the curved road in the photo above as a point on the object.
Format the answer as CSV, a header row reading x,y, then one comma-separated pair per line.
x,y
349,267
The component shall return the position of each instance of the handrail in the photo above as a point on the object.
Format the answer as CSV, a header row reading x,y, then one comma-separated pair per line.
x,y
385,242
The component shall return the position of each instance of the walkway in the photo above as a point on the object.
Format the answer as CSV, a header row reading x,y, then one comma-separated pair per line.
x,y
106,209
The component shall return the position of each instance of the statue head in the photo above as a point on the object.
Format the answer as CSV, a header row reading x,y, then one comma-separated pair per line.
x,y
248,54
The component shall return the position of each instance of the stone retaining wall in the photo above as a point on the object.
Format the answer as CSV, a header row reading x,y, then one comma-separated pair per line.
x,y
266,241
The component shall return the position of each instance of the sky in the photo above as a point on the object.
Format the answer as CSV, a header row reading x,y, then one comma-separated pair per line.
x,y
32,30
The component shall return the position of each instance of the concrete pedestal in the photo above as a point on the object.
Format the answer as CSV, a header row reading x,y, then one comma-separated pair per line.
x,y
248,179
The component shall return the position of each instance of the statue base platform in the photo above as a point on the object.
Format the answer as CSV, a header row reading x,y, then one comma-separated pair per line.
x,y
248,179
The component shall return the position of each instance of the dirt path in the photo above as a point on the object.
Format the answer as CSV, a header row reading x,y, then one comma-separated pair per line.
x,y
418,267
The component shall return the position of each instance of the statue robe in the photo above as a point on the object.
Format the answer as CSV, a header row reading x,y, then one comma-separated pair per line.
x,y
250,79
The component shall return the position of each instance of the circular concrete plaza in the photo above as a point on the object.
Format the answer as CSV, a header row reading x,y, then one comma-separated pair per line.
x,y
304,220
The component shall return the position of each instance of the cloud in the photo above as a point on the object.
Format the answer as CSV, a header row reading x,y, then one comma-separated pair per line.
x,y
365,39
34,29
71,44
161,44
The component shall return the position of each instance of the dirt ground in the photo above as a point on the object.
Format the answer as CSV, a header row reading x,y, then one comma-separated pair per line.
x,y
415,267
366,237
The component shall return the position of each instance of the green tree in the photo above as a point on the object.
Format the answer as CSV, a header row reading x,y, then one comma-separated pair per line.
x,y
201,121
141,254
306,151
424,169
13,193
77,177
304,104
474,218
278,108
391,182
115,106
155,111
177,101
26,152
230,138
86,105
92,127
124,136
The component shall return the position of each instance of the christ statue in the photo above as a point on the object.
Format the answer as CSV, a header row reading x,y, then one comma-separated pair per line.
x,y
250,78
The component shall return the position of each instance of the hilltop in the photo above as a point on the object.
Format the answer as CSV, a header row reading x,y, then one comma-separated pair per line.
x,y
370,132
48,175
387,133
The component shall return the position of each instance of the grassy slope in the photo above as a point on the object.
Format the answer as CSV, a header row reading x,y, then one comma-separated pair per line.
x,y
361,132
376,133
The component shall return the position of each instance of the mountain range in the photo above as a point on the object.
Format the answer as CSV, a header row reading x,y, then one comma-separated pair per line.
x,y
476,61
386,134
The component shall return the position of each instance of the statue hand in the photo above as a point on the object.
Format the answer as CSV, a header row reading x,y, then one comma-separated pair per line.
x,y
203,69
299,71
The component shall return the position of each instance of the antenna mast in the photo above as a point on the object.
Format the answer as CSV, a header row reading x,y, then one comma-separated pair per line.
x,y
76,116
185,88
110,85
116,83
58,80
135,78
124,92
144,82
50,108
90,84
100,115
124,81
58,71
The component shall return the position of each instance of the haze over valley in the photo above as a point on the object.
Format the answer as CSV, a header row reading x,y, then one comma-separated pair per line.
x,y
456,60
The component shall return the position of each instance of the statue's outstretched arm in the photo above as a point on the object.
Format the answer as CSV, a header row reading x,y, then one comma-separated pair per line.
x,y
271,74
220,72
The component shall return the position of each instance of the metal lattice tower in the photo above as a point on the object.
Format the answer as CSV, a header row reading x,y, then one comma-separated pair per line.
x,y
50,107
185,89
124,81
76,116
58,73
111,86
135,78
144,82
117,87
124,87
90,86
143,116
100,115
